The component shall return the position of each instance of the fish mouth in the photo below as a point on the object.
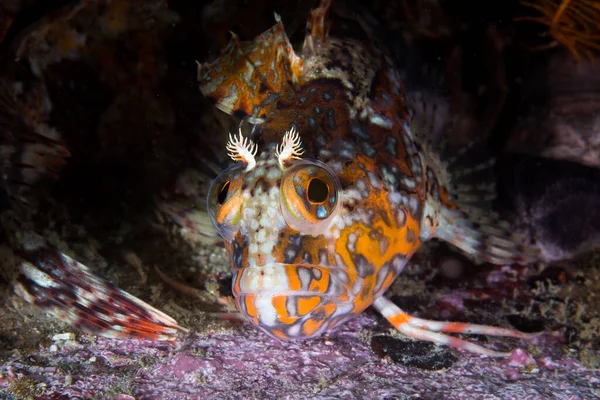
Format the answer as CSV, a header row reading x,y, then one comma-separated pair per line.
x,y
292,300
290,279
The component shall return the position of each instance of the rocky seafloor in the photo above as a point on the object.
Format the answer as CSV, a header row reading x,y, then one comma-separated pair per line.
x,y
363,359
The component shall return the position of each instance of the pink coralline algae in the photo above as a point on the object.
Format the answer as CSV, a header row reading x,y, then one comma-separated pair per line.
x,y
245,363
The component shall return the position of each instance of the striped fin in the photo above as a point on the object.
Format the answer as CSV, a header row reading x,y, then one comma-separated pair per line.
x,y
190,220
184,212
71,292
485,237
459,208
436,331
466,218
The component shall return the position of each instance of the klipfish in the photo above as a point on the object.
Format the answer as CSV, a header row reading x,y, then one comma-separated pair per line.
x,y
332,192
335,187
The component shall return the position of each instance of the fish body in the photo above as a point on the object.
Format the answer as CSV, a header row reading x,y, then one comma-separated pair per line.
x,y
335,188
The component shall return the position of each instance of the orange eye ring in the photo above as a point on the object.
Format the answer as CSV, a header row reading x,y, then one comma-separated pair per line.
x,y
224,202
309,196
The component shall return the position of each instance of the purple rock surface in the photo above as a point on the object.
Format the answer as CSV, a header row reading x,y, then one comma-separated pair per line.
x,y
244,363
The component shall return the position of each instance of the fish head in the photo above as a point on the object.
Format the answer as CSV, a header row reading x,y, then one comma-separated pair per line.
x,y
310,243
278,221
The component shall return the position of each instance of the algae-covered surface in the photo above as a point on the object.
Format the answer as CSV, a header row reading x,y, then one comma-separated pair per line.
x,y
145,145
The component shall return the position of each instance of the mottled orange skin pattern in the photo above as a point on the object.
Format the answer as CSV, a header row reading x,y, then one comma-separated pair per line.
x,y
266,80
316,238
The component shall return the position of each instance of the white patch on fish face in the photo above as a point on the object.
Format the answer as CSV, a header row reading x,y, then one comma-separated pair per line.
x,y
266,310
267,280
261,220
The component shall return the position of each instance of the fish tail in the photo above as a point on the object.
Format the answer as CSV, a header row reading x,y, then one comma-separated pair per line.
x,y
73,293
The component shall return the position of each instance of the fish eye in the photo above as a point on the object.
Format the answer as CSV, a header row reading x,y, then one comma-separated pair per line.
x,y
309,193
224,202
223,192
318,191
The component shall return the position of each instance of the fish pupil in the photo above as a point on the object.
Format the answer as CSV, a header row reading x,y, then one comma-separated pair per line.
x,y
223,193
318,191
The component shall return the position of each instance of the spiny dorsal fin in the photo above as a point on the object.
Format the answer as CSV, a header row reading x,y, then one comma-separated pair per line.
x,y
317,28
247,74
